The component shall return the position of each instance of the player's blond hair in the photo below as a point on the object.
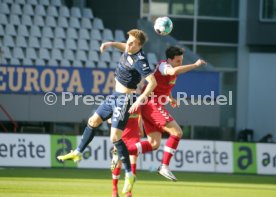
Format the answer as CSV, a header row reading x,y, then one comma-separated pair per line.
x,y
139,34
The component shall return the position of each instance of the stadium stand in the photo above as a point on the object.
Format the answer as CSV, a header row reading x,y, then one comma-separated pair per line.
x,y
45,32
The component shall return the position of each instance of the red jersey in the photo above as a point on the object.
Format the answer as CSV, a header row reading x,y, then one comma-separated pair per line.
x,y
131,133
165,83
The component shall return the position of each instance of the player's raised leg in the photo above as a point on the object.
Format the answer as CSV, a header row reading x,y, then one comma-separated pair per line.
x,y
169,149
87,136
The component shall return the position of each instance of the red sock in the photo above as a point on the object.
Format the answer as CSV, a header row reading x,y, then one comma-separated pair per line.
x,y
115,178
170,148
140,148
133,168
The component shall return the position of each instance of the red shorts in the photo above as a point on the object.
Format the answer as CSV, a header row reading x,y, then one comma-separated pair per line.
x,y
155,116
130,136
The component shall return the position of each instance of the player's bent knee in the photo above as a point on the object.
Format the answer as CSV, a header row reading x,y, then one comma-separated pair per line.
x,y
94,121
155,144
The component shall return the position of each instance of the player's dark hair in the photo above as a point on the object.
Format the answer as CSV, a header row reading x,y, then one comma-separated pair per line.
x,y
173,51
140,35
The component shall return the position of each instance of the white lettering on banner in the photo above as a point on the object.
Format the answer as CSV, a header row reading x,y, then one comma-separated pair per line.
x,y
266,158
25,150
202,156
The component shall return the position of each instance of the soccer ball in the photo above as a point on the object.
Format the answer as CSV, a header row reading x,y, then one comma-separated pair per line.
x,y
163,25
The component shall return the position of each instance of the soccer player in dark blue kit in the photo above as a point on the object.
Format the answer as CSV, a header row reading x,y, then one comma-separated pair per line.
x,y
132,66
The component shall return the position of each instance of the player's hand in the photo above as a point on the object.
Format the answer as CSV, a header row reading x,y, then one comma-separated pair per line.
x,y
134,107
200,62
104,46
173,102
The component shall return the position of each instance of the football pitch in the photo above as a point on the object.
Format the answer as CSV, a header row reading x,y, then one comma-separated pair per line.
x,y
29,182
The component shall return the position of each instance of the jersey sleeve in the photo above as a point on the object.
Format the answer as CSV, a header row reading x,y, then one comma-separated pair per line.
x,y
142,66
163,68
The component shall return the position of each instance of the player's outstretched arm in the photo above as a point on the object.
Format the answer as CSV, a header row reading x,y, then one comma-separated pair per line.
x,y
185,68
150,87
119,45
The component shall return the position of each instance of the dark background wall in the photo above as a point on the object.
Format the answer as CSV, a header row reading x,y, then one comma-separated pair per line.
x,y
119,14
258,32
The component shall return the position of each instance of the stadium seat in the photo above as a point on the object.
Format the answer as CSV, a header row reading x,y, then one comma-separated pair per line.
x,y
81,55
35,31
16,9
27,20
58,43
46,43
18,53
15,62
62,22
4,61
59,32
10,30
20,2
77,63
95,45
101,65
83,34
96,35
27,62
4,8
31,53
105,57
8,1
93,56
40,62
70,44
47,32
72,33
2,33
64,11
74,22
107,35
65,63
3,19
14,19
87,13
68,55
119,36
52,62
75,12
89,64
33,42
38,21
32,2
6,52
8,41
113,65
28,10
39,10
152,58
56,54
50,21
44,2
85,23
82,44
44,54
56,3
22,31
52,11
98,23
21,42
116,56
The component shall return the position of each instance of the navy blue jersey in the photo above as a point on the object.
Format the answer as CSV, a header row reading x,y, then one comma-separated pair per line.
x,y
131,68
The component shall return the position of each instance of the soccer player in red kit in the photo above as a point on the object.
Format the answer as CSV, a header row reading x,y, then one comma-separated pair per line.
x,y
131,135
156,118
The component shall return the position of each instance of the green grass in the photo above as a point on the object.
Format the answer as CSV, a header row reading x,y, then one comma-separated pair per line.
x,y
29,182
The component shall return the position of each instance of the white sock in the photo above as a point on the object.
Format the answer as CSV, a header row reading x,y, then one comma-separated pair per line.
x,y
128,174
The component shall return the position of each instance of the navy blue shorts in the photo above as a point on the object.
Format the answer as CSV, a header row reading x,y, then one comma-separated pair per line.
x,y
116,106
